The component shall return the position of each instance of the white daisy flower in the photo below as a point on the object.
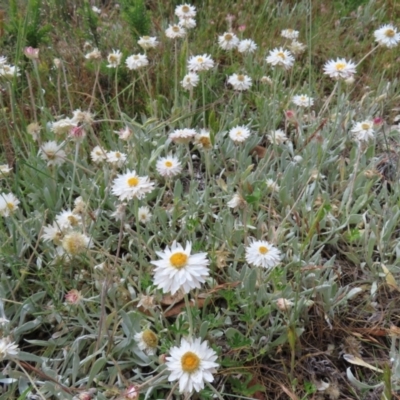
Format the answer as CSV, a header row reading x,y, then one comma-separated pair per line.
x,y
187,23
280,57
130,185
8,349
182,135
193,364
114,59
9,71
119,212
63,126
239,133
52,153
147,341
290,34
82,117
124,134
302,100
175,31
168,166
34,130
260,253
98,155
363,131
297,48
228,41
247,46
339,68
4,170
236,201
185,11
190,81
75,243
200,63
277,137
387,35
66,220
8,204
272,185
136,61
240,82
95,54
147,42
178,269
144,214
203,139
116,158
52,233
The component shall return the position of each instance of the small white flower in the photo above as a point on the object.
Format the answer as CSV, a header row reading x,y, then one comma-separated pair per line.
x,y
116,158
339,68
290,34
98,155
280,57
4,170
185,11
182,135
178,269
363,131
9,71
8,349
387,35
240,82
147,302
34,129
302,100
96,10
284,304
52,153
272,185
129,185
82,117
80,206
95,54
190,81
192,364
63,126
247,46
297,48
8,204
119,212
75,243
239,133
175,31
277,137
168,166
236,201
297,159
52,233
203,139
144,214
260,253
124,134
200,63
228,41
147,341
187,23
136,61
114,59
147,42
66,220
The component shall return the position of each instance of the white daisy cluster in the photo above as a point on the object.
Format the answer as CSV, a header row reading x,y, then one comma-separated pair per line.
x,y
186,14
67,232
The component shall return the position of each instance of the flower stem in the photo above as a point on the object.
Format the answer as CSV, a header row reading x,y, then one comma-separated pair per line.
x,y
189,314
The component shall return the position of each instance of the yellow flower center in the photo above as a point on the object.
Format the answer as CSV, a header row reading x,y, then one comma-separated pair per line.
x,y
340,66
290,30
185,9
228,37
263,249
281,55
134,181
389,33
175,28
118,155
168,164
11,206
136,57
365,126
146,37
178,260
113,58
240,78
205,141
190,362
239,133
51,156
72,220
200,59
150,338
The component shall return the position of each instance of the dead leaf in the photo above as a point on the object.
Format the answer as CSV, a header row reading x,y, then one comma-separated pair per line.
x,y
390,278
178,308
168,300
358,361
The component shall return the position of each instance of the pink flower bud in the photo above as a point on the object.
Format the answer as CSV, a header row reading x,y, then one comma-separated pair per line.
x,y
31,53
